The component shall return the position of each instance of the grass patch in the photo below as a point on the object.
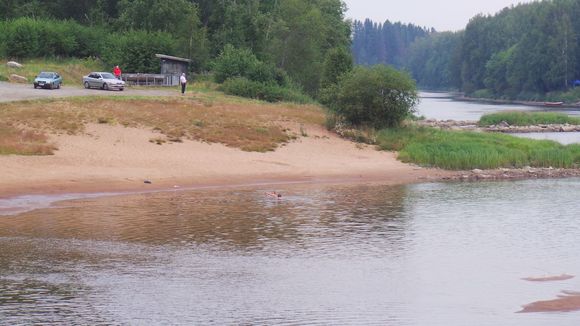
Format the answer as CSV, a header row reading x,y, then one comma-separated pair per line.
x,y
249,125
23,142
71,70
455,150
527,118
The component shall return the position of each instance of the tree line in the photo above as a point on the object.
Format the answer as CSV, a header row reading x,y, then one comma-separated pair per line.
x,y
293,35
526,51
384,43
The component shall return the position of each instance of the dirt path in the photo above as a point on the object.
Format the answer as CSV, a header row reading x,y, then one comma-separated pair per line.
x,y
19,92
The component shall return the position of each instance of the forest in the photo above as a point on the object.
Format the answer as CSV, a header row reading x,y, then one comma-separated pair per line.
x,y
384,43
529,52
294,36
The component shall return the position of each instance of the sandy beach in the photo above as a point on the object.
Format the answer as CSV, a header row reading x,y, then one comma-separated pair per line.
x,y
115,158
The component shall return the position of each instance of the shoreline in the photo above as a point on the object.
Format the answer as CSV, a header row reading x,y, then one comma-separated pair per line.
x,y
116,159
46,195
543,104
22,199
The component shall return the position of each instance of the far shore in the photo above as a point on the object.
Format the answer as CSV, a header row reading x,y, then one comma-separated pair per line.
x,y
543,104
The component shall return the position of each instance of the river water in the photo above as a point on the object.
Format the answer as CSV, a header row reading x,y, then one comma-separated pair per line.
x,y
424,254
442,106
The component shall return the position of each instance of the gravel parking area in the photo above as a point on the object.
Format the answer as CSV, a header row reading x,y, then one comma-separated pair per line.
x,y
19,92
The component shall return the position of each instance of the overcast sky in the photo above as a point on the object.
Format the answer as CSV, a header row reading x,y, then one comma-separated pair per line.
x,y
444,15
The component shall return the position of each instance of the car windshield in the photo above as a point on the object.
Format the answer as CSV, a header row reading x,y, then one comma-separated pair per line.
x,y
107,75
45,75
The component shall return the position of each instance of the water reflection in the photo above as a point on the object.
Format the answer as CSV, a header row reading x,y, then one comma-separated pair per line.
x,y
429,254
244,220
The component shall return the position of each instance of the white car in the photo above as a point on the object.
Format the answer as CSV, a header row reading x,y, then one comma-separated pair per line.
x,y
103,80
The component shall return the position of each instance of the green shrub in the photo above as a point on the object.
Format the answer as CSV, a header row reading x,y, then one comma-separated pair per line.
x,y
233,63
378,96
30,38
269,92
23,38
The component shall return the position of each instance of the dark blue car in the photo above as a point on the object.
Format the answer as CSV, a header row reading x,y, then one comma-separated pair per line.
x,y
48,80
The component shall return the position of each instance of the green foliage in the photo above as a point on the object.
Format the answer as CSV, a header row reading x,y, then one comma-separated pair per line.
x,y
134,51
3,35
337,63
522,52
23,38
269,92
30,38
468,150
291,35
377,43
378,96
527,118
430,60
233,63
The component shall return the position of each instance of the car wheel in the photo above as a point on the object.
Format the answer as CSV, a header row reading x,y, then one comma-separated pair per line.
x,y
35,86
50,86
87,86
57,86
105,86
121,89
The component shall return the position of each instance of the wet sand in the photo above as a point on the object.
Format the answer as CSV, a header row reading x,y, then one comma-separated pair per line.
x,y
566,302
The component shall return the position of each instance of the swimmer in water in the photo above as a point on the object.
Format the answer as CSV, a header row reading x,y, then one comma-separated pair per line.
x,y
274,194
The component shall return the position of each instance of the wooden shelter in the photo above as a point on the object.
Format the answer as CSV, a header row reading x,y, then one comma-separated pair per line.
x,y
171,70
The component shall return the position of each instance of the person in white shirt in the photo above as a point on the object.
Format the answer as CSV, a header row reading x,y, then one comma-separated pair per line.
x,y
182,82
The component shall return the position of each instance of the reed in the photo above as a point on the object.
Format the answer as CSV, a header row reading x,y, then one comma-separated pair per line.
x,y
455,150
527,118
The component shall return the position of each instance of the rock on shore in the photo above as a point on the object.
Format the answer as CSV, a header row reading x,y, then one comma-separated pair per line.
x,y
515,174
501,127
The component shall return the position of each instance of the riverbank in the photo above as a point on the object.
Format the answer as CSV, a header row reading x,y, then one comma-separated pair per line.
x,y
116,159
502,127
113,158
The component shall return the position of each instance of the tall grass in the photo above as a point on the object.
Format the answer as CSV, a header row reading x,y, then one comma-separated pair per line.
x,y
23,142
455,150
527,118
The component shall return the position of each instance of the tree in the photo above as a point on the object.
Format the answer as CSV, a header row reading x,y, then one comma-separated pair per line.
x,y
338,62
377,96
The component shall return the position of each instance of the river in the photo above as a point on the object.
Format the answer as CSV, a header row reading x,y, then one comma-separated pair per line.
x,y
425,254
442,106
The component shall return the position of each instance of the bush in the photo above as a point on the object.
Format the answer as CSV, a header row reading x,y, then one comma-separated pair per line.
x,y
31,38
233,63
23,38
378,97
269,92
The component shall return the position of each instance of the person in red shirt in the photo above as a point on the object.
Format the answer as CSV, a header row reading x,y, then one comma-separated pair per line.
x,y
117,72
